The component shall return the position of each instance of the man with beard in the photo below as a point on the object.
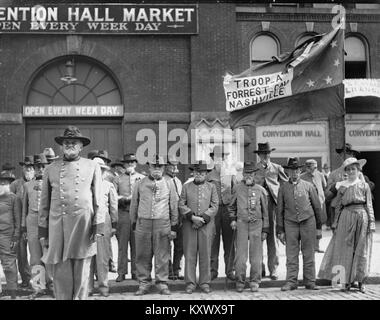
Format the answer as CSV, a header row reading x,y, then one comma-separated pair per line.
x,y
17,187
70,216
154,217
29,227
198,206
270,175
124,186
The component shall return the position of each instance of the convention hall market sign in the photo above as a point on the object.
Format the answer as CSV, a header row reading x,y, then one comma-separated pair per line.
x,y
73,111
100,18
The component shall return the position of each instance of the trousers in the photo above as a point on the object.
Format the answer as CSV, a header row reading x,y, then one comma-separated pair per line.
x,y
197,246
302,235
152,239
248,241
8,261
222,228
70,279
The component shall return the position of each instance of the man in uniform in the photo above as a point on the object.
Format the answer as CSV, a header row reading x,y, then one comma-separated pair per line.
x,y
17,187
317,179
154,216
50,155
70,216
100,262
198,206
29,226
249,216
298,224
171,172
223,180
10,223
124,186
269,176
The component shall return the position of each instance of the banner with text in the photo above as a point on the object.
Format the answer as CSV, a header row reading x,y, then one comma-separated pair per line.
x,y
364,135
73,111
100,18
361,87
244,92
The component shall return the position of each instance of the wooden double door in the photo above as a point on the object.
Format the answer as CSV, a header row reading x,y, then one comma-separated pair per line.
x,y
104,135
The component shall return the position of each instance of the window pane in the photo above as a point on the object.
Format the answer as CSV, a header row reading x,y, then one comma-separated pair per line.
x,y
264,48
355,49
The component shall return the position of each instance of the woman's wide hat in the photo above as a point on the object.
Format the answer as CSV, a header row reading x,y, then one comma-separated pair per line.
x,y
264,148
72,132
350,161
293,163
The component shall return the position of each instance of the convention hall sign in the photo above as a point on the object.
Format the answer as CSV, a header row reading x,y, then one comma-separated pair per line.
x,y
73,111
100,18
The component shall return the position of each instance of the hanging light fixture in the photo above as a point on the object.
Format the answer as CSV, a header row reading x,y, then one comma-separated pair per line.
x,y
69,76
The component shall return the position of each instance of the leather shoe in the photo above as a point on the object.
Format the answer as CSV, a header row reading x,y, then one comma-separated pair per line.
x,y
120,278
214,275
231,277
319,251
104,292
25,284
311,286
274,276
206,289
254,287
288,287
239,289
189,290
140,292
165,291
112,268
362,288
134,277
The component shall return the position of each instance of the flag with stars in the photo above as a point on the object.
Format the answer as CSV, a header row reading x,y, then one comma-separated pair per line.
x,y
306,84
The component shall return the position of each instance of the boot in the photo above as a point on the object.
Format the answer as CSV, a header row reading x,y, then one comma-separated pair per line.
x,y
12,293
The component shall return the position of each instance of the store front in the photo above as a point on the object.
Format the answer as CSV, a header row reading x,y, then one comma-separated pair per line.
x,y
74,90
304,140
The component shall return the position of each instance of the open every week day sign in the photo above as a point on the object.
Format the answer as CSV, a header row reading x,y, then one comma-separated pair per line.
x,y
73,111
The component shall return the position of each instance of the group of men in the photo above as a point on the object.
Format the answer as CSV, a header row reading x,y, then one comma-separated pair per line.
x,y
67,209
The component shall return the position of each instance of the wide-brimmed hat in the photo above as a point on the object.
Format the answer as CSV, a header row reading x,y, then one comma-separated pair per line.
x,y
103,154
348,149
6,175
101,163
157,160
349,161
72,132
40,159
7,166
28,161
50,154
200,166
117,162
293,163
264,148
129,157
250,167
219,151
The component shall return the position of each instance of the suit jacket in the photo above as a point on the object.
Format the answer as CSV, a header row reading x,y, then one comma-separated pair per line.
x,y
110,201
10,215
270,178
31,201
70,210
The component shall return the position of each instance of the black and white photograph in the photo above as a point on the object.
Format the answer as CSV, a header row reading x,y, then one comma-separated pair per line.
x,y
209,152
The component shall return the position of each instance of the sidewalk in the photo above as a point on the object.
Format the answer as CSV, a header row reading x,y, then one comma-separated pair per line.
x,y
130,285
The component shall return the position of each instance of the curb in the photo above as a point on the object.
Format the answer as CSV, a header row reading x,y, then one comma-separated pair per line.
x,y
219,284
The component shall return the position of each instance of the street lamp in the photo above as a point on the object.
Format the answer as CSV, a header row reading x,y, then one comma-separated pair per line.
x,y
69,76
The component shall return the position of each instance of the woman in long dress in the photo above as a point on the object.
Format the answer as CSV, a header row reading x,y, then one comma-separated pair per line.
x,y
348,256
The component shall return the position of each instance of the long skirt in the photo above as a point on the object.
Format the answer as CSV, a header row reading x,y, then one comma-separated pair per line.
x,y
348,255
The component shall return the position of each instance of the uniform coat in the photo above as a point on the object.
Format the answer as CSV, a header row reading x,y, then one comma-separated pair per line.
x,y
200,200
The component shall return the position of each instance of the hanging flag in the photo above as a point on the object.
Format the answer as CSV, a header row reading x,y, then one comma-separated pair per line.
x,y
305,84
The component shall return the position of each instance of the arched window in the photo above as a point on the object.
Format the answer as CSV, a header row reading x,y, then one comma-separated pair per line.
x,y
355,58
303,37
263,48
93,85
